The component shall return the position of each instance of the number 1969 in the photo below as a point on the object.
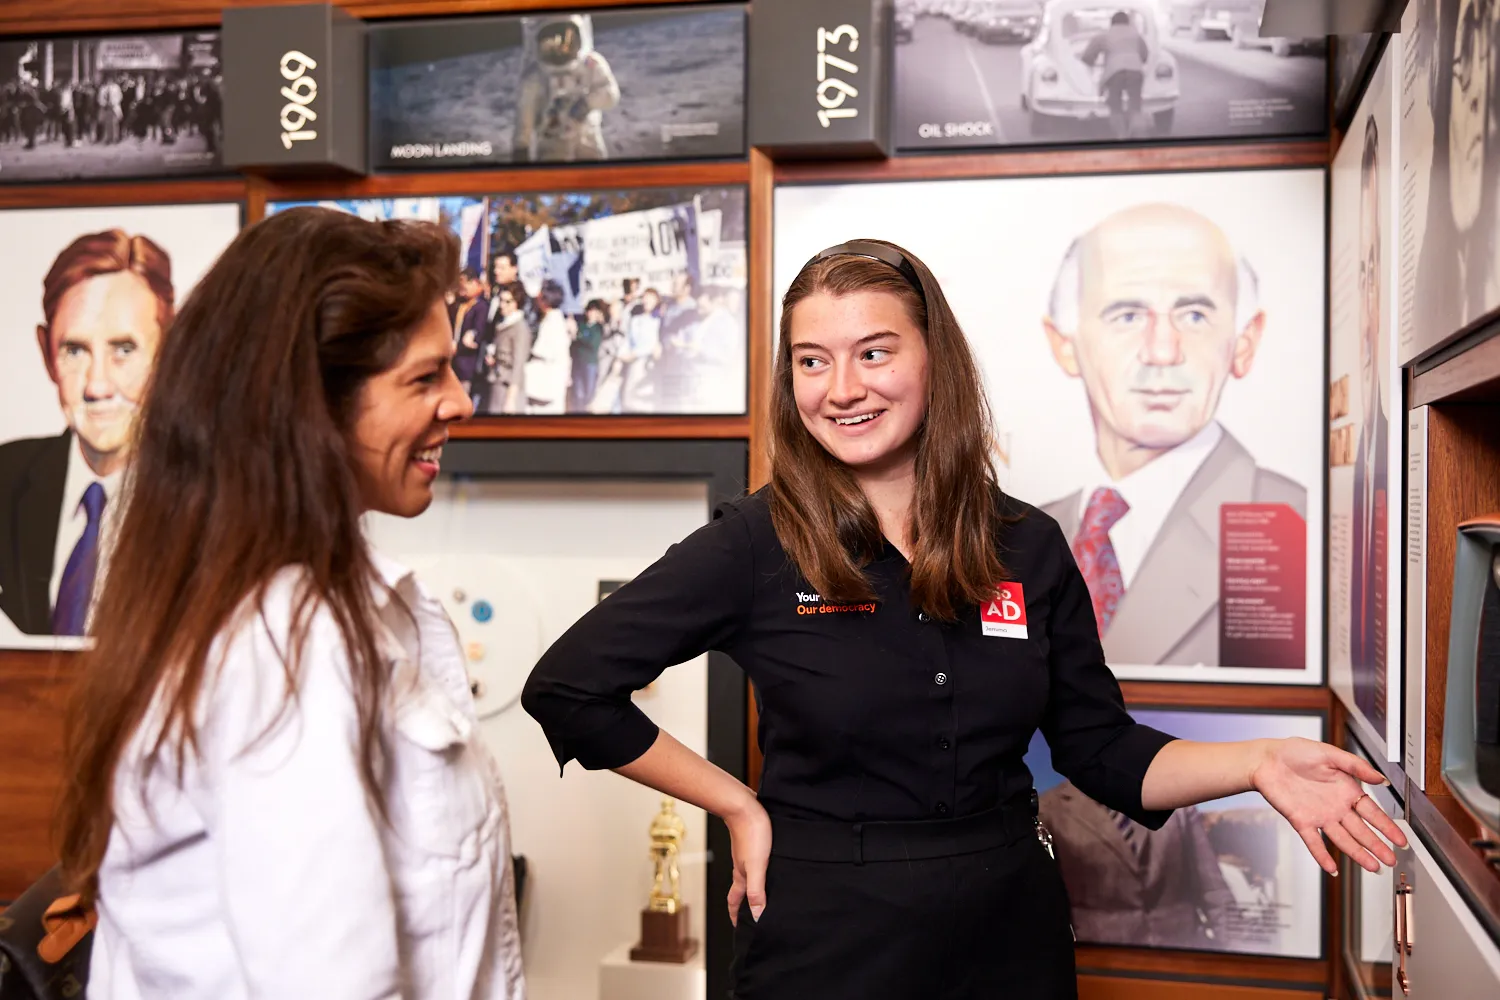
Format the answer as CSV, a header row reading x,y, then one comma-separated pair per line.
x,y
831,90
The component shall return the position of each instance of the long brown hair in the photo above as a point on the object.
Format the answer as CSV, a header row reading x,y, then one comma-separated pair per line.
x,y
242,468
822,517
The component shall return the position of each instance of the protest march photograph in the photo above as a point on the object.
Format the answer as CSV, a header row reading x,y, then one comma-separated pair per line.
x,y
597,302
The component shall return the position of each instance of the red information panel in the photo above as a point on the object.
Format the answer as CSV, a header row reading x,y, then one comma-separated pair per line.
x,y
1262,586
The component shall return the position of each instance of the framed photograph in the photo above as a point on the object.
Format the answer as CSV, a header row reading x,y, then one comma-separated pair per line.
x,y
1151,339
558,87
594,302
986,73
87,296
1228,876
110,107
1450,171
1365,406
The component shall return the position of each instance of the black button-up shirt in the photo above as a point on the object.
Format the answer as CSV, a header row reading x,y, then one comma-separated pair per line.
x,y
869,711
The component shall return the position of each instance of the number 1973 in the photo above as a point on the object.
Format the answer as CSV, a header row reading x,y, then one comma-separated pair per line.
x,y
831,90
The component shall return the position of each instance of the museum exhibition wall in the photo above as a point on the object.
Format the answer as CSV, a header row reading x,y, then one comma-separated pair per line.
x,y
1307,225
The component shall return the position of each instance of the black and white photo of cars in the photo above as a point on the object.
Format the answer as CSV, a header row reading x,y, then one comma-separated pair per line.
x,y
1237,21
996,73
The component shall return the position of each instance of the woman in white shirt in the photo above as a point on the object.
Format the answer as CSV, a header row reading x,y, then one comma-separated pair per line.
x,y
278,786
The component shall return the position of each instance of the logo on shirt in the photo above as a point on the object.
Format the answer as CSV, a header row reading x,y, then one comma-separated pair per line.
x,y
1004,614
812,604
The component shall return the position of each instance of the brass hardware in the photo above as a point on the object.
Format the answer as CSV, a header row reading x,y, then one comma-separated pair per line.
x,y
1403,935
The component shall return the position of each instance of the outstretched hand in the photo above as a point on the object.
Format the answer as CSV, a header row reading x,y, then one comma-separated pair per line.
x,y
1317,788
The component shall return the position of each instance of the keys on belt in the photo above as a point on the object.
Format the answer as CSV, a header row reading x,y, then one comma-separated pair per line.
x,y
1045,836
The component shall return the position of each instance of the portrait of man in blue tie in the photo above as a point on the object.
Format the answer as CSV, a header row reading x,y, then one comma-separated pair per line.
x,y
107,300
1154,311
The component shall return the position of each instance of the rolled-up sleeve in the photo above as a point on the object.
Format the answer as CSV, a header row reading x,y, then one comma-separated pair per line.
x,y
695,598
1094,741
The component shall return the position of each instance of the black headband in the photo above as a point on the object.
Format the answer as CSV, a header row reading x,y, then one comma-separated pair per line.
x,y
875,251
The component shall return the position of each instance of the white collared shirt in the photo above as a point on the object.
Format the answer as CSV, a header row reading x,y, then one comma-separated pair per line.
x,y
1150,491
268,875
72,519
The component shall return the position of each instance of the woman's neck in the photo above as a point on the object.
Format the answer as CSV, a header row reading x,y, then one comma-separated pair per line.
x,y
890,493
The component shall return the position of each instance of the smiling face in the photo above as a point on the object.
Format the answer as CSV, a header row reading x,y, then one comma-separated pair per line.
x,y
1157,334
859,377
99,350
402,421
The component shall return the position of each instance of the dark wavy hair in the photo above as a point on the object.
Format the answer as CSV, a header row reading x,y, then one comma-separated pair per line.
x,y
242,467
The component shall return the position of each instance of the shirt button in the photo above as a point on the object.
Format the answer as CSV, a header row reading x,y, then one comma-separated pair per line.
x,y
942,808
941,678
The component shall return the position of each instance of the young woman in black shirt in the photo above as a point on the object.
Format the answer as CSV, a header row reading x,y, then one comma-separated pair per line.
x,y
907,627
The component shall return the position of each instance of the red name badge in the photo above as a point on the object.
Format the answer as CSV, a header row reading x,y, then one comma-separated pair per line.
x,y
1004,614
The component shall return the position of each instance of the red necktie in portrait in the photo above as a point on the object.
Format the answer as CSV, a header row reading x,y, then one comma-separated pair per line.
x,y
1096,553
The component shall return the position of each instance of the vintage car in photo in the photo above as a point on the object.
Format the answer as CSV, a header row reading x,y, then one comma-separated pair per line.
x,y
1237,21
1057,86
1009,21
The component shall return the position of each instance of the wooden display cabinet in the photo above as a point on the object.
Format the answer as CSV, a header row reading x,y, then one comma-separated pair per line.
x,y
1461,387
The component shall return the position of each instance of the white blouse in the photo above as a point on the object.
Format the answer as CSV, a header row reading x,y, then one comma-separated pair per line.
x,y
269,875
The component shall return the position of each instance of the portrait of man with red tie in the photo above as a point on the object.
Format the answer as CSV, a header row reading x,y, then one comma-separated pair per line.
x,y
1155,312
106,301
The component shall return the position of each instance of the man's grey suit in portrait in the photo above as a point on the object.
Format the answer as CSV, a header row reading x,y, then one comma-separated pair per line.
x,y
1132,886
1170,611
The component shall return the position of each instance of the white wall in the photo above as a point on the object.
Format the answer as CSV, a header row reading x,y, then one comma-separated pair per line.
x,y
541,549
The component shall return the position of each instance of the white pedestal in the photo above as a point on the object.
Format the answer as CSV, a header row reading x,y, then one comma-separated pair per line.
x,y
622,979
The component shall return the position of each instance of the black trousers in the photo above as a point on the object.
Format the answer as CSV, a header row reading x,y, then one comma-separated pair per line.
x,y
985,924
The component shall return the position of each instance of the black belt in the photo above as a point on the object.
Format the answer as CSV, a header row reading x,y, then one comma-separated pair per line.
x,y
903,840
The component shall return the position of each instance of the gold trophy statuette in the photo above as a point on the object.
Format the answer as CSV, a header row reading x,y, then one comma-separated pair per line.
x,y
664,921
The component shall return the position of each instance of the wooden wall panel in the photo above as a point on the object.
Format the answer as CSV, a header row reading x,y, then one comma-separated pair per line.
x,y
83,195
1120,988
1298,973
762,311
1472,375
1038,162
708,173
48,16
33,691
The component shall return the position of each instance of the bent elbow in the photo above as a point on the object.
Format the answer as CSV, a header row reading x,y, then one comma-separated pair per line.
x,y
538,694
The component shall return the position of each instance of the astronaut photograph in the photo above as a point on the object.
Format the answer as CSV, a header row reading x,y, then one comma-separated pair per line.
x,y
1153,349
558,88
88,295
1226,876
987,73
122,106
594,302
